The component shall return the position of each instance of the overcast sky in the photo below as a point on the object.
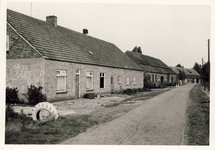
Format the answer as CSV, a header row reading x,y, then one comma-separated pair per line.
x,y
173,33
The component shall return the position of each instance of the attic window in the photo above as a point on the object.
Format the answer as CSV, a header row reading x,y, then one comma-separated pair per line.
x,y
90,52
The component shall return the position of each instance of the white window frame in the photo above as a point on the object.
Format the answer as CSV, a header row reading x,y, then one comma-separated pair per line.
x,y
61,73
119,79
127,80
7,43
89,74
102,74
134,81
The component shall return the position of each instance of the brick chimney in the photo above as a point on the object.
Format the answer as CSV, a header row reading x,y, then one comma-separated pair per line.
x,y
85,31
52,20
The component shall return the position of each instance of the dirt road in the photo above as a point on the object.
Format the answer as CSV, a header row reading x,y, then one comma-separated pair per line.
x,y
159,121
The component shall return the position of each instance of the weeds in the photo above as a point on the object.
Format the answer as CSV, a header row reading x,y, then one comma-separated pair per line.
x,y
51,132
198,118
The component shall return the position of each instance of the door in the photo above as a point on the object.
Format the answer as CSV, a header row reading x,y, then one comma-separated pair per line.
x,y
161,79
77,73
112,85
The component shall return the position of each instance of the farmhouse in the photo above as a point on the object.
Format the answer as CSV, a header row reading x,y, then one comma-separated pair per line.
x,y
192,76
160,73
66,63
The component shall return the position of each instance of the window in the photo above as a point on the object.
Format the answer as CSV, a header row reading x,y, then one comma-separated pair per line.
x,y
111,80
119,79
156,79
134,81
89,80
153,79
7,43
127,80
102,81
61,80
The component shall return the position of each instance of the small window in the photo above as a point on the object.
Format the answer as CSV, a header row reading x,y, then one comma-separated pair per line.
x,y
134,81
127,80
153,78
102,81
7,43
61,80
77,71
89,80
156,79
119,79
111,80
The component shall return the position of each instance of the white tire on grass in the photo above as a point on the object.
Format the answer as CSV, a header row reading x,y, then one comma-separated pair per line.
x,y
44,106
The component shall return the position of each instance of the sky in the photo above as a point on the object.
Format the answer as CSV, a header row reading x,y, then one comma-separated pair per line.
x,y
175,34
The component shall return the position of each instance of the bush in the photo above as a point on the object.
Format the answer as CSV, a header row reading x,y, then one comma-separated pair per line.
x,y
35,95
12,96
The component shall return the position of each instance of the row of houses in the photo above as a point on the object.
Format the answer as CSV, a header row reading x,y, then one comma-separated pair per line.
x,y
69,64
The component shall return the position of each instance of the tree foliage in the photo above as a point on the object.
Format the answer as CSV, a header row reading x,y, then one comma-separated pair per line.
x,y
181,75
197,67
137,49
178,65
205,72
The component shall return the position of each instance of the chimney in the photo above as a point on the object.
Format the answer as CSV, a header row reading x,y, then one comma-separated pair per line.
x,y
85,31
52,20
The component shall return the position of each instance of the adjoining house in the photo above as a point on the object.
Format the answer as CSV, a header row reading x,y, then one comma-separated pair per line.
x,y
160,73
66,63
192,76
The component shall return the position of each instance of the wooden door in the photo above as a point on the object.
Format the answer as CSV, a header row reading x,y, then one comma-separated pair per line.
x,y
77,85
112,85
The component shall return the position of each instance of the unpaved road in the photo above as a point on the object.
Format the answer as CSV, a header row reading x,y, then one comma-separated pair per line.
x,y
159,121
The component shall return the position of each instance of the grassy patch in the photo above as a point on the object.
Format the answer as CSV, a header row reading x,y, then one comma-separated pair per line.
x,y
51,132
198,118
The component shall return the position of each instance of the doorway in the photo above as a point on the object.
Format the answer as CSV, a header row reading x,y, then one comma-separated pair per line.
x,y
161,79
77,84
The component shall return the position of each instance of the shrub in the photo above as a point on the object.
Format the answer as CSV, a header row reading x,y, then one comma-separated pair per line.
x,y
35,95
12,96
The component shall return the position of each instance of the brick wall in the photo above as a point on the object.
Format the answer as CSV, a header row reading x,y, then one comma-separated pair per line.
x,y
21,73
51,79
18,48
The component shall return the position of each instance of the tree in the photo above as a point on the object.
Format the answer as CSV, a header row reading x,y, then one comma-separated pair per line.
x,y
205,75
197,67
137,49
182,75
178,65
205,72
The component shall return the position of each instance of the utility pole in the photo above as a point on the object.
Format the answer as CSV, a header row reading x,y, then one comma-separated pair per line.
x,y
208,50
209,62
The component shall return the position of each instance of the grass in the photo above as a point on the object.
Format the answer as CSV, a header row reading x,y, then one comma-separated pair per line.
x,y
198,118
51,132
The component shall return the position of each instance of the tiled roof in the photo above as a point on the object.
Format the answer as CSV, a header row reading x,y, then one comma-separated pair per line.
x,y
188,72
149,64
59,43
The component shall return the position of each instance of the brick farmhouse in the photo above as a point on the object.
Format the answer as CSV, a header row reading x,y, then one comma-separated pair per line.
x,y
66,63
159,72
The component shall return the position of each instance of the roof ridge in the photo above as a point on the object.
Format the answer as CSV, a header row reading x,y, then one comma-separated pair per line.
x,y
143,54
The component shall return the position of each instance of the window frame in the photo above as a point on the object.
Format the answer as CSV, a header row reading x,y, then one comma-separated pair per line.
x,y
119,79
134,81
89,74
127,80
63,73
